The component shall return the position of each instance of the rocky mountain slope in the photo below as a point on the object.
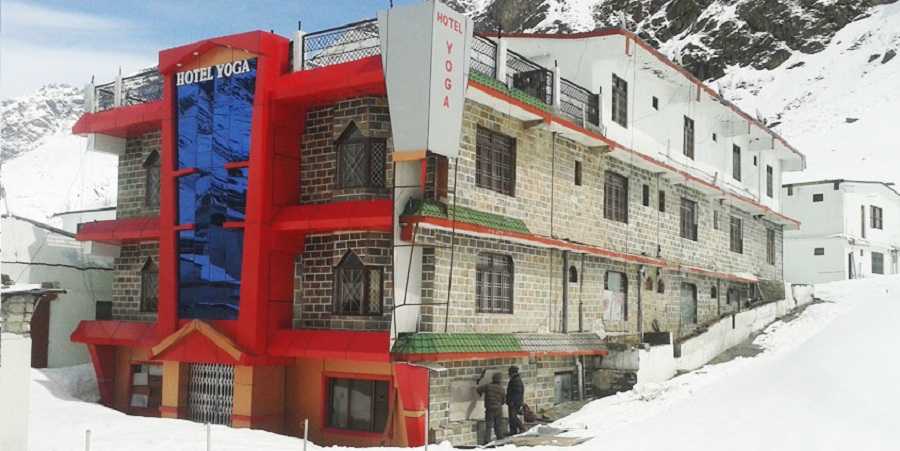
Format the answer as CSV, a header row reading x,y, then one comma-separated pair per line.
x,y
705,36
45,169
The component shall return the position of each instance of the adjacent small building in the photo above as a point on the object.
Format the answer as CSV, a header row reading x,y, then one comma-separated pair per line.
x,y
851,230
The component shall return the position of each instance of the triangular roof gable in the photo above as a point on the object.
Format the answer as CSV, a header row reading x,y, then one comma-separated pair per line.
x,y
197,341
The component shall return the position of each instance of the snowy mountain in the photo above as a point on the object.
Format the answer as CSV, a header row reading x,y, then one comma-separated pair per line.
x,y
822,73
45,169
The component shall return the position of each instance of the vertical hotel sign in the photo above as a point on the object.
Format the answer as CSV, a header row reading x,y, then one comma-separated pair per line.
x,y
425,54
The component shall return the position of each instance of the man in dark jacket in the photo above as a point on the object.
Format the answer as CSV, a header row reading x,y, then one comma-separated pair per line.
x,y
515,398
494,396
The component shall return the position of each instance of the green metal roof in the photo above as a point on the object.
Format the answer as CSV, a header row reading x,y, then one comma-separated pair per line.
x,y
479,343
437,343
434,209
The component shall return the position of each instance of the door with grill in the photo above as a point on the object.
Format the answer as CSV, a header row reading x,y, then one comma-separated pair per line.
x,y
211,393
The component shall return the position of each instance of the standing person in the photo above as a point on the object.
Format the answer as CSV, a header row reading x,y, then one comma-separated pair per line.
x,y
515,398
494,395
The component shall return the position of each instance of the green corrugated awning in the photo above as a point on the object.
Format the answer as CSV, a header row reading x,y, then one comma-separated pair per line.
x,y
434,209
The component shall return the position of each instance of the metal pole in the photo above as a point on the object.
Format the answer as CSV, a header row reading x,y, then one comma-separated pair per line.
x,y
305,433
426,429
208,434
87,440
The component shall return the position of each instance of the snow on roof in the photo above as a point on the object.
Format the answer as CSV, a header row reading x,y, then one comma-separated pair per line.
x,y
27,288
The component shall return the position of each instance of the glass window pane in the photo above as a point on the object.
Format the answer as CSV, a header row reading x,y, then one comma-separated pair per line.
x,y
361,405
340,397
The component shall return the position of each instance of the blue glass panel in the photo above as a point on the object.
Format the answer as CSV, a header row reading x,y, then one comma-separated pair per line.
x,y
214,124
187,198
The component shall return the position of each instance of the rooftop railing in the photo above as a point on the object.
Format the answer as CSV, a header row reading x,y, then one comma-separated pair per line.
x,y
142,87
359,40
343,44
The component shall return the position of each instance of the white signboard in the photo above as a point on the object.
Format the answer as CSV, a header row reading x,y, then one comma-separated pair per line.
x,y
425,56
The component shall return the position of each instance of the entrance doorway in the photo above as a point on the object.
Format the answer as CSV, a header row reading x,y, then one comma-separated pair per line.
x,y
210,393
688,304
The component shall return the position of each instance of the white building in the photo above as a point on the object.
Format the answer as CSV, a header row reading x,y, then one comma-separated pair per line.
x,y
36,253
849,229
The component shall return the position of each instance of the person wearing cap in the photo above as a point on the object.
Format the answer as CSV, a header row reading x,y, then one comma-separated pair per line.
x,y
515,398
494,395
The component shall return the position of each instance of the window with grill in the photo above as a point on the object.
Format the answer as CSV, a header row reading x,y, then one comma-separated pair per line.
x,y
616,284
770,181
736,162
688,219
737,235
688,145
615,197
494,283
151,180
361,160
357,404
619,101
770,246
357,287
149,286
495,161
877,263
877,218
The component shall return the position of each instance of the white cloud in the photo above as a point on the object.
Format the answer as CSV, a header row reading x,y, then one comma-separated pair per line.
x,y
16,14
27,67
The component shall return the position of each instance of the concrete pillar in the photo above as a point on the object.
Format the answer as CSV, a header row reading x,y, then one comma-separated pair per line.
x,y
175,393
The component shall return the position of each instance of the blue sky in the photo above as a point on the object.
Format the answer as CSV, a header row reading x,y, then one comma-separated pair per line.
x,y
66,41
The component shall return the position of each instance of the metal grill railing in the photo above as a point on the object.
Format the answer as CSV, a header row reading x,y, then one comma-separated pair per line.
x,y
484,56
578,103
211,393
142,87
343,44
529,77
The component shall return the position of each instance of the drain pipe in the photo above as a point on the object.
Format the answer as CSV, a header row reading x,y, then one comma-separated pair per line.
x,y
642,272
565,292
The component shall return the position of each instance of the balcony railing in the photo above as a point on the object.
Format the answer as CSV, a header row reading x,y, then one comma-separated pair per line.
x,y
343,44
142,87
360,40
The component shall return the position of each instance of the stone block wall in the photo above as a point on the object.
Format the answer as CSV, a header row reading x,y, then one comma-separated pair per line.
x,y
132,176
16,312
545,182
126,290
537,375
314,280
318,157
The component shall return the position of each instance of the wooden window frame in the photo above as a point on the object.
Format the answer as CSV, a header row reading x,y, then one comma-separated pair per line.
x,y
615,197
149,302
688,148
495,161
736,235
690,215
770,246
736,162
770,181
877,217
502,301
351,262
374,151
619,101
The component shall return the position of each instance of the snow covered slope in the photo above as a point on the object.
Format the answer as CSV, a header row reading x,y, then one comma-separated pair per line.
x,y
45,169
826,380
840,106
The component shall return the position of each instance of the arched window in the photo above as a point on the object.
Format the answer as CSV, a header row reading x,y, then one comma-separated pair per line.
x,y
573,274
149,286
151,180
713,292
357,287
660,286
360,160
